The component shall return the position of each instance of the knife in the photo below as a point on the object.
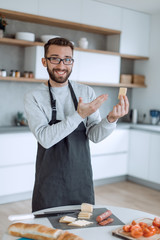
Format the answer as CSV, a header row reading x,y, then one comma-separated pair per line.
x,y
41,215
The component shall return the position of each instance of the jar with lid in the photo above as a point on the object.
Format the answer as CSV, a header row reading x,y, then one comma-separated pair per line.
x,y
3,73
83,43
26,74
17,73
31,75
12,73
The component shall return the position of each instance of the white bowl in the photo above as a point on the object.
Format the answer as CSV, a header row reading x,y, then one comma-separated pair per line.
x,y
46,38
25,36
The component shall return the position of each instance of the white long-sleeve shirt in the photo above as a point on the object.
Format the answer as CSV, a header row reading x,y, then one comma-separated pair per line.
x,y
39,113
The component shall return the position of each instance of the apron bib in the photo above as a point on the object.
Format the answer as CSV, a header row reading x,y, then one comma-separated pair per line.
x,y
63,172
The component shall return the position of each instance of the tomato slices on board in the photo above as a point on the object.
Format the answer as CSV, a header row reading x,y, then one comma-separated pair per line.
x,y
139,229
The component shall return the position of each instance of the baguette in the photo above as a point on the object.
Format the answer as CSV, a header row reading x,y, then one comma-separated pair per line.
x,y
39,232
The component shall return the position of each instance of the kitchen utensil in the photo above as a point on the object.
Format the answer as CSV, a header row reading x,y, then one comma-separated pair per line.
x,y
42,215
134,116
155,116
46,38
25,36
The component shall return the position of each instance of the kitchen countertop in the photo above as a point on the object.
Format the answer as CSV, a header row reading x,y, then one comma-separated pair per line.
x,y
121,125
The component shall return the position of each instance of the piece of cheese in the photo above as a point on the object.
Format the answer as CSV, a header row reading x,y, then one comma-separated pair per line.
x,y
84,215
67,219
86,207
80,223
122,92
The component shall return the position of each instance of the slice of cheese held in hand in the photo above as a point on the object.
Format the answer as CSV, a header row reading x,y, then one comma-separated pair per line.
x,y
80,223
67,219
86,207
84,215
122,92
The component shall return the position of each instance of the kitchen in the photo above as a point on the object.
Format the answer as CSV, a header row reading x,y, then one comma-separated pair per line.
x,y
140,98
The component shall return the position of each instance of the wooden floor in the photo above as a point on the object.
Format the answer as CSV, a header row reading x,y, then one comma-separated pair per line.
x,y
122,194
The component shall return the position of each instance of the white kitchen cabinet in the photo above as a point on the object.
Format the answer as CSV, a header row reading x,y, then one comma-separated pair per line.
x,y
135,34
99,68
101,15
139,154
107,166
69,10
17,164
109,157
29,6
154,163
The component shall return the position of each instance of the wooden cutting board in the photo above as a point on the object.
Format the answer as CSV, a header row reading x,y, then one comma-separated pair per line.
x,y
125,235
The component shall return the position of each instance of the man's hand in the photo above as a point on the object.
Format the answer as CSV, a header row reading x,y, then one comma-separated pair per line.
x,y
120,110
86,109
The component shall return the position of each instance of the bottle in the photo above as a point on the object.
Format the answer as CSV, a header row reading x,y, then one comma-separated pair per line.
x,y
134,116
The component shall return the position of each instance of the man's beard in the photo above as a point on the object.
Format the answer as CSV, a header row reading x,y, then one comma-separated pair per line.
x,y
59,79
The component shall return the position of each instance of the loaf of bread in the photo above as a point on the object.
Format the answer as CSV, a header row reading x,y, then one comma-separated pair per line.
x,y
39,232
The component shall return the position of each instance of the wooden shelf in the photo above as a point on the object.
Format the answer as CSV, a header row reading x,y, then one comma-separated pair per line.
x,y
56,22
22,79
17,42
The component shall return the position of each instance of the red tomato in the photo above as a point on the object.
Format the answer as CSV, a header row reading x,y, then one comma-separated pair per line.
x,y
157,229
148,233
127,228
153,229
135,227
136,232
134,222
143,225
156,222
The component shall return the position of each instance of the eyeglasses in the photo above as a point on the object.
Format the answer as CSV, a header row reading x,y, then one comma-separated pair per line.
x,y
66,61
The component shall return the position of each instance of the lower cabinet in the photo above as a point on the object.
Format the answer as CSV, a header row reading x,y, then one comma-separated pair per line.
x,y
144,152
110,157
17,164
111,165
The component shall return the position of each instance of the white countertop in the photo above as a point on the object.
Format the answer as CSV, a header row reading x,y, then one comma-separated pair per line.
x,y
139,126
126,215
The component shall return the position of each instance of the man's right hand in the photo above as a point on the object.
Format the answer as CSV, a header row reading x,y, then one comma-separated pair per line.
x,y
86,109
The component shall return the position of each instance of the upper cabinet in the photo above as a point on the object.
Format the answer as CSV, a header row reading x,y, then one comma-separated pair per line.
x,y
135,33
29,6
101,15
69,10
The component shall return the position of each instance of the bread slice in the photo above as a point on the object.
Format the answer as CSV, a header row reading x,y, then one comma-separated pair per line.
x,y
67,219
86,207
80,223
84,215
122,92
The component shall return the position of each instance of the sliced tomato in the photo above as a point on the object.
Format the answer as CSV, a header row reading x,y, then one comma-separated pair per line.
x,y
136,232
135,227
143,225
153,229
127,228
156,222
157,229
148,233
134,222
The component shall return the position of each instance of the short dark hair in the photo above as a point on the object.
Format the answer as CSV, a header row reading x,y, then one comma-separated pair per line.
x,y
59,42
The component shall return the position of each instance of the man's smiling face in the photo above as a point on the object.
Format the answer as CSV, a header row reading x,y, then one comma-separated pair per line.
x,y
59,73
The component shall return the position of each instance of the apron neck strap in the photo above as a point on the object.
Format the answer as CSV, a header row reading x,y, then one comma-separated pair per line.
x,y
53,101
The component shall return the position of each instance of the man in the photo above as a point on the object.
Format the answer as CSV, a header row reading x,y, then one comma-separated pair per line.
x,y
63,115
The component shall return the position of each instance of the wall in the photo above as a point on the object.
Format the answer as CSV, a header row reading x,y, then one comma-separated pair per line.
x,y
146,99
12,93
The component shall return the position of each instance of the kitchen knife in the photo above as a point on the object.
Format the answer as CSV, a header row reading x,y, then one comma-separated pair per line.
x,y
41,215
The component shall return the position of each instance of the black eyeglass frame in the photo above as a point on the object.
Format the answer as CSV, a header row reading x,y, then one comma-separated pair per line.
x,y
60,60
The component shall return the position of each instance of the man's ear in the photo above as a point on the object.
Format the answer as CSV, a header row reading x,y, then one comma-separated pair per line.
x,y
44,62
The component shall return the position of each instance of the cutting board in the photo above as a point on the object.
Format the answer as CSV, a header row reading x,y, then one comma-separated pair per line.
x,y
96,212
125,235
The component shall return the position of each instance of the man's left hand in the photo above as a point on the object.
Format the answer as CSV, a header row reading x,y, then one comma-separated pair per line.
x,y
120,110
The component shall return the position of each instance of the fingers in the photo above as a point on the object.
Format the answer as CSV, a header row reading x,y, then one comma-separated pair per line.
x,y
99,100
123,105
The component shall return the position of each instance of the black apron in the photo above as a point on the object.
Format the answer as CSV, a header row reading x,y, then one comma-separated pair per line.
x,y
63,172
